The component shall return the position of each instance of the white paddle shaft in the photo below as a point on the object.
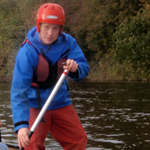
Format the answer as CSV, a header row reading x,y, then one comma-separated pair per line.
x,y
49,100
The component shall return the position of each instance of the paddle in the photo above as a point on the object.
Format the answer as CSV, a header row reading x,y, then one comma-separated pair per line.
x,y
47,103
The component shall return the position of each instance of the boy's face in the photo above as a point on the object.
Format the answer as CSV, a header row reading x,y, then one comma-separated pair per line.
x,y
49,33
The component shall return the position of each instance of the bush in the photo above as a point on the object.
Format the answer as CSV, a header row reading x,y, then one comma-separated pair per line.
x,y
131,42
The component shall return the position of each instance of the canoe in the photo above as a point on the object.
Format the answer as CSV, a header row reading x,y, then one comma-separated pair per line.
x,y
13,147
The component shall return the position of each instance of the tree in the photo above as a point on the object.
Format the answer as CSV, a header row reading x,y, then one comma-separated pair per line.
x,y
131,42
95,21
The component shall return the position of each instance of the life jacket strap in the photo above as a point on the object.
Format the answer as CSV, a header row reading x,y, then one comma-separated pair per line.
x,y
39,101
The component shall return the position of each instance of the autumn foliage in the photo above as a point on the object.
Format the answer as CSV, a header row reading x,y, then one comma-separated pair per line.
x,y
113,34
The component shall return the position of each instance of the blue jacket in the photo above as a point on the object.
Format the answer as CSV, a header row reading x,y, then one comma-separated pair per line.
x,y
23,95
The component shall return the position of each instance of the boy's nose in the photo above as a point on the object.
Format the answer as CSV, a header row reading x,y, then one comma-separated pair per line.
x,y
50,32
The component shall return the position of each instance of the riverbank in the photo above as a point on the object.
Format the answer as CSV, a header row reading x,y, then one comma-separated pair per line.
x,y
104,71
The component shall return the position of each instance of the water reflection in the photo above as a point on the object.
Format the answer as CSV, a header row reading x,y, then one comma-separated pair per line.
x,y
115,115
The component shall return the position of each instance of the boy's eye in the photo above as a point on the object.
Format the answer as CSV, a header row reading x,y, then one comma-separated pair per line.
x,y
46,27
56,28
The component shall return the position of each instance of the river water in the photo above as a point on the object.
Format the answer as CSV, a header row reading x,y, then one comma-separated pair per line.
x,y
116,116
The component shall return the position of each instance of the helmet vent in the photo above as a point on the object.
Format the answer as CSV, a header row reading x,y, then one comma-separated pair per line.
x,y
46,6
53,7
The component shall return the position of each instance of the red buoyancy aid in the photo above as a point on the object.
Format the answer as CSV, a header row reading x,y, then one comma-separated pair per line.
x,y
46,74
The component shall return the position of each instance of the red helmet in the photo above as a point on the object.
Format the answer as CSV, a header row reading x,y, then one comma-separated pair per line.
x,y
51,13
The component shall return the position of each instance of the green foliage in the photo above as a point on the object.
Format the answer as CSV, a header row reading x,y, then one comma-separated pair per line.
x,y
131,42
14,25
92,23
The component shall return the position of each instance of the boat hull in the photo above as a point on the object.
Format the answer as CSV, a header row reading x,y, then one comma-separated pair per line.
x,y
12,147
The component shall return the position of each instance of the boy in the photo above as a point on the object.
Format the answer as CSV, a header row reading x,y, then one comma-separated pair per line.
x,y
37,69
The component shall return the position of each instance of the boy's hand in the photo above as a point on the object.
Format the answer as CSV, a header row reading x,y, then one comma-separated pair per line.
x,y
23,138
71,65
